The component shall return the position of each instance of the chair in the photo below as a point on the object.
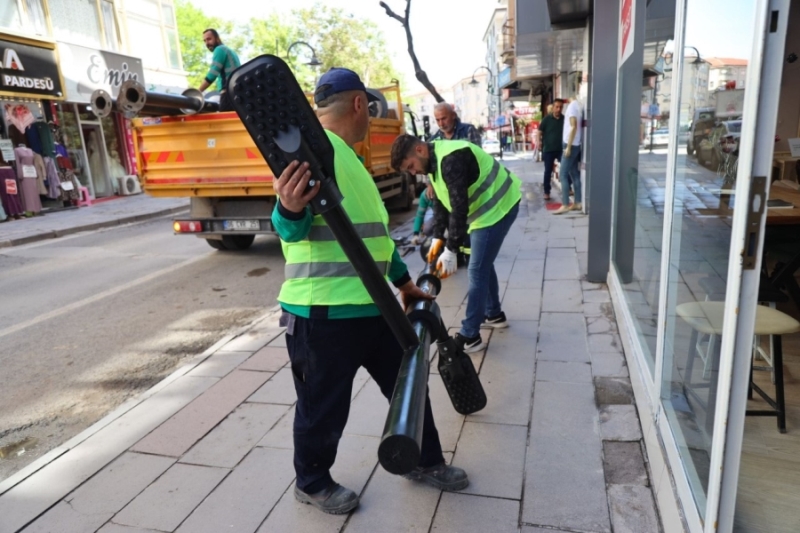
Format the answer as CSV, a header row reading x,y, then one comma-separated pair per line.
x,y
86,199
706,317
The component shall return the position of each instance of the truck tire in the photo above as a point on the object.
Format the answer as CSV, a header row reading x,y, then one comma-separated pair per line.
x,y
237,242
378,108
216,244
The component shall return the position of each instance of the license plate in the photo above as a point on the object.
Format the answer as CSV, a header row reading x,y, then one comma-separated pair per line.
x,y
241,225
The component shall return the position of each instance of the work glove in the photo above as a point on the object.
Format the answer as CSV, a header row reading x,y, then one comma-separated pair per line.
x,y
447,265
436,247
415,240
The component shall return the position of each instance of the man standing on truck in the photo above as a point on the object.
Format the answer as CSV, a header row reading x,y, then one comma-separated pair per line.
x,y
450,126
476,194
332,325
223,62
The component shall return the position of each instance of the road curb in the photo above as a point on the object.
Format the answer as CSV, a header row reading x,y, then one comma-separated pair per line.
x,y
54,234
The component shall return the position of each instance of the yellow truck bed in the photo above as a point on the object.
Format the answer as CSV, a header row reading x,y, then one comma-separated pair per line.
x,y
209,155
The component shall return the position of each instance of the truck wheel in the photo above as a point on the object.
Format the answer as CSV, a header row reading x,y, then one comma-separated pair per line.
x,y
216,244
237,242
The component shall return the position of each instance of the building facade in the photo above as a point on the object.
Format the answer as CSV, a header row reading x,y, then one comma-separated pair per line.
x,y
686,239
81,46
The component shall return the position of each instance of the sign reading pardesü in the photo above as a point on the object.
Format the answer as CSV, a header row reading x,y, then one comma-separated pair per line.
x,y
29,71
86,70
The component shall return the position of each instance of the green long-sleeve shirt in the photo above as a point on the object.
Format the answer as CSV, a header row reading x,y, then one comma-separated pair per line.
x,y
223,63
425,203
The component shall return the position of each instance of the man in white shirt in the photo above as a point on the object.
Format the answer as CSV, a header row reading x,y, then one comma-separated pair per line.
x,y
570,170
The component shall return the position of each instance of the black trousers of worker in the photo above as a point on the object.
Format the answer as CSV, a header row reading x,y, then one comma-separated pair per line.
x,y
549,161
325,355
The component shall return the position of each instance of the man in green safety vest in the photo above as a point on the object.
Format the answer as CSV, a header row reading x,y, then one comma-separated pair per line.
x,y
332,325
477,196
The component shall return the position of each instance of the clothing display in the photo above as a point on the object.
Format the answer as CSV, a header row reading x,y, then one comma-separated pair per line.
x,y
34,141
41,172
28,186
52,179
19,115
46,137
9,192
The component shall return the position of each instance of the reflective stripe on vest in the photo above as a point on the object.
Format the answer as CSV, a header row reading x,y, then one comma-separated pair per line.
x,y
365,230
488,182
326,270
491,202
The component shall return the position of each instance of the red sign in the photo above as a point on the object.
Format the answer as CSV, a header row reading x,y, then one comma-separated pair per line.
x,y
11,186
627,10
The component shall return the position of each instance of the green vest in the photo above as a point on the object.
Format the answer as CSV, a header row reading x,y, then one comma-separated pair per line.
x,y
317,271
491,197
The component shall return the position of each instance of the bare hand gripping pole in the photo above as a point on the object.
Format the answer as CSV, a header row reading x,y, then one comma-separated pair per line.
x,y
283,125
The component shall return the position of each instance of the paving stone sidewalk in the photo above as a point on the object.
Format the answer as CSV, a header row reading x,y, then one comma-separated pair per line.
x,y
558,447
123,210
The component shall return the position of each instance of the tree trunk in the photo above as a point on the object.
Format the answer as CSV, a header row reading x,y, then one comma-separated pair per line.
x,y
420,74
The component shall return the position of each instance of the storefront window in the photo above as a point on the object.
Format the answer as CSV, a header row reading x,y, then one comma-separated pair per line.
x,y
705,177
644,108
76,21
71,137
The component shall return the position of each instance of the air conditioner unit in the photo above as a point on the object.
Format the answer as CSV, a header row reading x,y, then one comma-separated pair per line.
x,y
129,185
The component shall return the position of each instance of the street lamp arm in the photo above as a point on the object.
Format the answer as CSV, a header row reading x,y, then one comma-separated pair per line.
x,y
315,62
474,81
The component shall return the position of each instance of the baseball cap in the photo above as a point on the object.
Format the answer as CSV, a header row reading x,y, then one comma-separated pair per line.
x,y
338,80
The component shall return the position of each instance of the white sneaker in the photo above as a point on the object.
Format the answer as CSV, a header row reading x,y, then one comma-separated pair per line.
x,y
563,209
576,207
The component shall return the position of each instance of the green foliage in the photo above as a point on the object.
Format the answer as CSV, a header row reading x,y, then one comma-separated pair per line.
x,y
339,39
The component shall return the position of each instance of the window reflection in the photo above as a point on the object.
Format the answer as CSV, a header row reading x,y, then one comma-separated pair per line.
x,y
710,103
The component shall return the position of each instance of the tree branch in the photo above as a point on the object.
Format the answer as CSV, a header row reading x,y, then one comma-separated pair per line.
x,y
393,14
420,74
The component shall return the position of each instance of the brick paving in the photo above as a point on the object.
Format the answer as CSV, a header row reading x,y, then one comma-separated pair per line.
x,y
558,447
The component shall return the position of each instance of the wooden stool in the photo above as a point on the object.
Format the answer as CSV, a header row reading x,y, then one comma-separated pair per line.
x,y
706,318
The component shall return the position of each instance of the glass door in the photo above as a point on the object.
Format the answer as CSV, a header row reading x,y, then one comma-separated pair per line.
x,y
713,255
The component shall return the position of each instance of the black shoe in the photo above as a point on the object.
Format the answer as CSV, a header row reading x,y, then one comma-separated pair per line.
x,y
443,477
333,500
469,344
498,321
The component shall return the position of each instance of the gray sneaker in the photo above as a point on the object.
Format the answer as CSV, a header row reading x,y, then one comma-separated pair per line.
x,y
442,476
333,500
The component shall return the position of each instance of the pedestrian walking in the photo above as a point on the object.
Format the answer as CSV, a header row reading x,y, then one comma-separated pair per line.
x,y
332,325
476,195
551,131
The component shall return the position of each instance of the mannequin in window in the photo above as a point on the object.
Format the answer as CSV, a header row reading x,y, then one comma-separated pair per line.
x,y
96,166
26,176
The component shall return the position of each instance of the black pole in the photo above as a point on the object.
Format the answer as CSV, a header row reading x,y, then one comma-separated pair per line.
x,y
401,445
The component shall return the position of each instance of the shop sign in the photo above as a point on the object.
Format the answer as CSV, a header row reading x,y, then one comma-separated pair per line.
x,y
86,70
627,19
29,71
504,77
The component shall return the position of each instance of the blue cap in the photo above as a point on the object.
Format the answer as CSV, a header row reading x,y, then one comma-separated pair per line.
x,y
338,80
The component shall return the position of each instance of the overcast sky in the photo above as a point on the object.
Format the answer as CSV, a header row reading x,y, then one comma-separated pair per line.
x,y
448,34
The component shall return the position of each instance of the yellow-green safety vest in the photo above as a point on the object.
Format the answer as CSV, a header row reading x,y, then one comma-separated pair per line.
x,y
492,195
317,270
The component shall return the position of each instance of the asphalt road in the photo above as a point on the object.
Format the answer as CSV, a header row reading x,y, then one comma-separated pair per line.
x,y
91,320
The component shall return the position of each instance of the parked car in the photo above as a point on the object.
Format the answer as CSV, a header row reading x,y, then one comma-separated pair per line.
x,y
660,138
723,140
491,147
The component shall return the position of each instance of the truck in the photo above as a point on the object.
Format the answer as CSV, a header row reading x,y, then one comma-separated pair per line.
x,y
211,159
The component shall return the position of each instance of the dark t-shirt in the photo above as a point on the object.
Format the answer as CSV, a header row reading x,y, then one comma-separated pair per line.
x,y
552,129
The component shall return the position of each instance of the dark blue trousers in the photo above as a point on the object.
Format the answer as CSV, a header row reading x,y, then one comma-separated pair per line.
x,y
549,159
325,355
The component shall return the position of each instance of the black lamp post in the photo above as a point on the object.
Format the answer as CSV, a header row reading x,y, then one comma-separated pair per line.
x,y
314,61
